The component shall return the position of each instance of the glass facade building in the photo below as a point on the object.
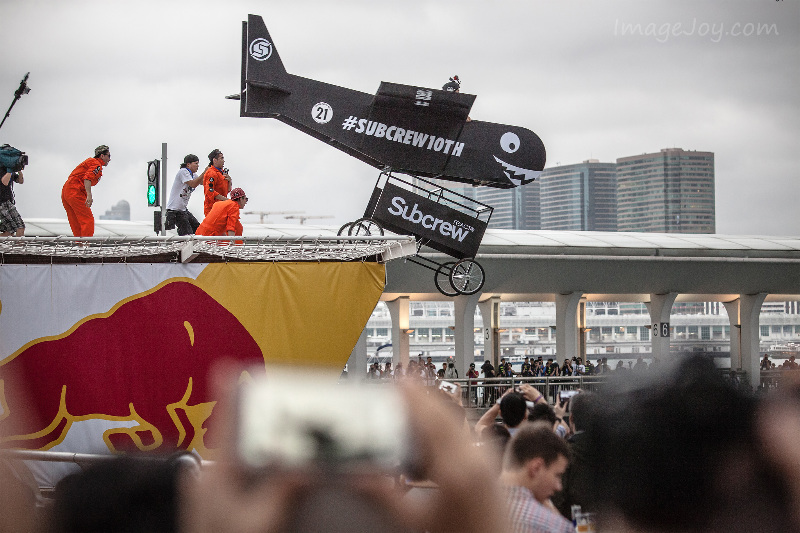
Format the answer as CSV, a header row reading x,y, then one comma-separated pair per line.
x,y
581,197
671,191
667,192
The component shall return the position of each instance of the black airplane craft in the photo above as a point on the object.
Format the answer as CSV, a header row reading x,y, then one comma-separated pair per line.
x,y
413,130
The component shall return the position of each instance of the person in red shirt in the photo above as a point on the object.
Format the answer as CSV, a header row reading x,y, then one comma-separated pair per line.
x,y
216,181
223,219
76,195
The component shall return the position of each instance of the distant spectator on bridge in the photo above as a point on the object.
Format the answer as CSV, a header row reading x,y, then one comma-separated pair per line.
x,y
501,368
567,369
430,369
489,392
178,214
472,374
217,182
535,461
223,219
451,372
527,370
766,364
76,195
413,370
580,368
640,365
790,364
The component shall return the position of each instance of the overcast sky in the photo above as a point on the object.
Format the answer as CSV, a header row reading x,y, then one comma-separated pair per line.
x,y
593,79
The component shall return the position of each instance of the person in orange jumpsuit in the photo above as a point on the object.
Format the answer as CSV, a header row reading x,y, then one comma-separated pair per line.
x,y
223,219
216,181
76,195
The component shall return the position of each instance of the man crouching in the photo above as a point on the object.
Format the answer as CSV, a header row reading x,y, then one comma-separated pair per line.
x,y
223,219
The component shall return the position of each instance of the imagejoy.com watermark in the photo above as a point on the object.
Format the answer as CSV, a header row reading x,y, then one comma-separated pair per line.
x,y
713,31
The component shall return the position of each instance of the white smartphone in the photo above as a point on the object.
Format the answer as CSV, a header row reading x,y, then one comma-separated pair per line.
x,y
295,419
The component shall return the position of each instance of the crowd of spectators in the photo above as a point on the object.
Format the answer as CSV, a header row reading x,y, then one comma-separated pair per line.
x,y
680,450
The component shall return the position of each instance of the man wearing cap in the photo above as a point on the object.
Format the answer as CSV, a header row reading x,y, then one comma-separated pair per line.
x,y
223,219
178,214
76,195
216,181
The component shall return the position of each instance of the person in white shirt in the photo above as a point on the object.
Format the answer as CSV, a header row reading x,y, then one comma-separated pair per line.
x,y
178,214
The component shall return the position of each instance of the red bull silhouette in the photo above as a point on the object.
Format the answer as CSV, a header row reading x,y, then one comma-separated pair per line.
x,y
147,361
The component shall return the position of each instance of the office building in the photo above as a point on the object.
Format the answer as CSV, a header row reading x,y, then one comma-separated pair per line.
x,y
516,208
667,192
580,197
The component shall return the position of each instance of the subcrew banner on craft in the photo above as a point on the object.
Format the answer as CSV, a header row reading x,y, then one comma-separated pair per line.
x,y
447,230
97,358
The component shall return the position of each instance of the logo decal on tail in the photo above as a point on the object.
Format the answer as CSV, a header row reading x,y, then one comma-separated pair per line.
x,y
260,49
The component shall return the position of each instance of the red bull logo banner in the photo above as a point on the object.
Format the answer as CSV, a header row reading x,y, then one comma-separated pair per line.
x,y
109,358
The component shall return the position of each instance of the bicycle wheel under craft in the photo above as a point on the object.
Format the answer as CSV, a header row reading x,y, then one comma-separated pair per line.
x,y
442,279
467,276
365,227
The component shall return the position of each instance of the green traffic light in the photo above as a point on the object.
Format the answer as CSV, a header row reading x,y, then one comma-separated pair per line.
x,y
151,195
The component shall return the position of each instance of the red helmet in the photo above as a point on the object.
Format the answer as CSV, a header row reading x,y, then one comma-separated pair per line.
x,y
237,193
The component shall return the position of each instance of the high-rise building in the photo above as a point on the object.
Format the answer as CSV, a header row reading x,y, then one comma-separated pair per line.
x,y
516,208
580,197
667,192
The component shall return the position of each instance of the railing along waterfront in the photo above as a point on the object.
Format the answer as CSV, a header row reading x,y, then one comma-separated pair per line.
x,y
482,392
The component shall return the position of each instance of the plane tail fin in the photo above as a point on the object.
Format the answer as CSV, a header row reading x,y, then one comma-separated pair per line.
x,y
261,64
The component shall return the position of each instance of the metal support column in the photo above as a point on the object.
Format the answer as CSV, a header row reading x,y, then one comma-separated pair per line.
x,y
398,310
660,308
567,325
490,312
464,331
736,333
749,313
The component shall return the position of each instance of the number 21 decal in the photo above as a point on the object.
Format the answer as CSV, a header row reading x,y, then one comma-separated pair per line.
x,y
322,113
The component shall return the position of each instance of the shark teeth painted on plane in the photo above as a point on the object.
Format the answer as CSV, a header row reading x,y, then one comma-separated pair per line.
x,y
529,175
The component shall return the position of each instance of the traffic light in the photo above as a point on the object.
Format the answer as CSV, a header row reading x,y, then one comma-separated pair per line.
x,y
153,183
